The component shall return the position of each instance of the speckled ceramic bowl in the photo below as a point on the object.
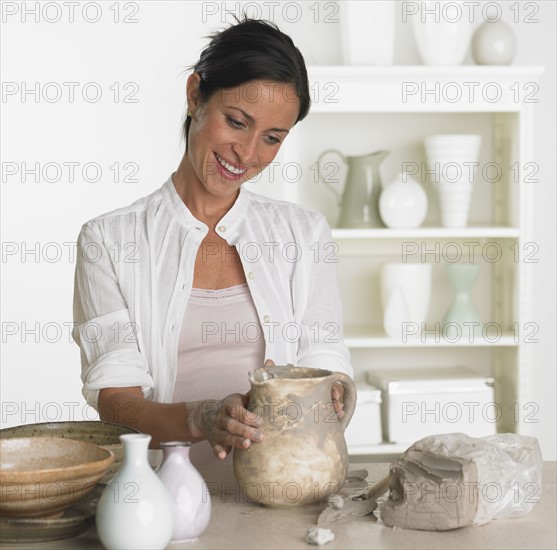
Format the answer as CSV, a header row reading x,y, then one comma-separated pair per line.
x,y
104,434
42,476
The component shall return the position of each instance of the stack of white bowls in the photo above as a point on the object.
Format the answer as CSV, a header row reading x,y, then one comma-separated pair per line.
x,y
452,163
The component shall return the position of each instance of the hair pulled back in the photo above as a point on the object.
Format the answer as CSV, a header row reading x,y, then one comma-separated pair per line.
x,y
252,49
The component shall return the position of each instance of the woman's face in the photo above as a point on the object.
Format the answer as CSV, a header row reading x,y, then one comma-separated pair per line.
x,y
237,132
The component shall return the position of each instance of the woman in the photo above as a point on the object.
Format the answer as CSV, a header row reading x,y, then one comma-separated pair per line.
x,y
156,353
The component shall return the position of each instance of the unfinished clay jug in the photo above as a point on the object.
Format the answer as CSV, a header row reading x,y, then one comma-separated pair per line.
x,y
303,457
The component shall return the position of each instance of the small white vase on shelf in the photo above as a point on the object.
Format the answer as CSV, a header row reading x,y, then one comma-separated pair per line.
x,y
405,296
493,43
450,159
442,31
135,509
367,30
403,203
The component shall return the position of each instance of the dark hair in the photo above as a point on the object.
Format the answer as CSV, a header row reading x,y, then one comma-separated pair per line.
x,y
253,49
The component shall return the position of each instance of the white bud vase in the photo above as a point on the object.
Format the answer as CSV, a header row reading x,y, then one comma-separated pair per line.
x,y
135,509
191,502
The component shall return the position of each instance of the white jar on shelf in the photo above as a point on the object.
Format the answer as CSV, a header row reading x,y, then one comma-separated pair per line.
x,y
367,30
403,203
442,31
405,296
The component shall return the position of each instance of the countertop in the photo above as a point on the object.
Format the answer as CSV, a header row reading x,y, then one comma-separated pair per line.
x,y
236,523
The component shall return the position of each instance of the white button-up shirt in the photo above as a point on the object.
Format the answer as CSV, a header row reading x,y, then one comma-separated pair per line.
x,y
134,273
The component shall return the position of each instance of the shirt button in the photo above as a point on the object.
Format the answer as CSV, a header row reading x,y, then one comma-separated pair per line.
x,y
266,319
172,328
250,275
184,286
221,228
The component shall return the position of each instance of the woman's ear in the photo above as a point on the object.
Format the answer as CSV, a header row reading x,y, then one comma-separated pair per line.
x,y
192,92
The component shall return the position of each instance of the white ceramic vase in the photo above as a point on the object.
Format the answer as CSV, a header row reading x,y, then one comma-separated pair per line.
x,y
367,31
442,31
493,43
135,509
191,502
405,296
450,159
403,203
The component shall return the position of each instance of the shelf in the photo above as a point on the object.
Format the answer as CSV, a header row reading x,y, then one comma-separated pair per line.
x,y
367,337
488,232
404,71
421,88
382,449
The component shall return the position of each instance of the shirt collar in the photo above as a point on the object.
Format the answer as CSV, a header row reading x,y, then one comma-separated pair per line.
x,y
230,221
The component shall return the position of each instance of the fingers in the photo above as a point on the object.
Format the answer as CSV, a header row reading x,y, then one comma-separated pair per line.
x,y
338,406
337,391
221,451
337,395
232,425
234,407
239,431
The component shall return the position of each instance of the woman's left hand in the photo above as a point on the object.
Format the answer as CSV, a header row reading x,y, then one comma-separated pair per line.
x,y
337,394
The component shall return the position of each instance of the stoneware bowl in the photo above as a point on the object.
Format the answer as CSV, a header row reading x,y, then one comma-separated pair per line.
x,y
104,434
42,476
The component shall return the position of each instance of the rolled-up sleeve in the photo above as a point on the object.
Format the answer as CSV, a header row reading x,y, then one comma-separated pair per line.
x,y
103,330
322,343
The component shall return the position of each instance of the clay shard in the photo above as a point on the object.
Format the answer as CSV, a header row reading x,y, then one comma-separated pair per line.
x,y
319,536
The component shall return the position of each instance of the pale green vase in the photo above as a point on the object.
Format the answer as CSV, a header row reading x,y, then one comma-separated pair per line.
x,y
462,311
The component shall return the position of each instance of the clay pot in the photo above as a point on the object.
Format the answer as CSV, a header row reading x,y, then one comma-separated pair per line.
x,y
303,457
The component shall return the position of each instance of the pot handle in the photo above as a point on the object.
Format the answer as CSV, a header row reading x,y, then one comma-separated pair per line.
x,y
350,394
324,180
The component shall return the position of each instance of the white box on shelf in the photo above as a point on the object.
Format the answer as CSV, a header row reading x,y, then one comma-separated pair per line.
x,y
420,402
365,426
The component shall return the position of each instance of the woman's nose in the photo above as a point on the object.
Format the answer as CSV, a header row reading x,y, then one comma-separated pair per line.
x,y
246,149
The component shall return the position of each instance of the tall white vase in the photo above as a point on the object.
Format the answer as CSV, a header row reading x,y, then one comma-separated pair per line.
x,y
367,30
442,30
135,509
405,296
451,160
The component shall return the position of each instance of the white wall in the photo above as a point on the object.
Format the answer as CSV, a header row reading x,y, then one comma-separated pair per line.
x,y
41,220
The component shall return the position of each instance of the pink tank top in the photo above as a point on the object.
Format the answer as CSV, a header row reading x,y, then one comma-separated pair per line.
x,y
220,341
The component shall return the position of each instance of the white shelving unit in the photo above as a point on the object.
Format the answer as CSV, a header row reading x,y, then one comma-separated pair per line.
x,y
362,109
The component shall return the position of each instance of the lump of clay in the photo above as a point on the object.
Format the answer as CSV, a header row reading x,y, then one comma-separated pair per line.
x,y
319,536
448,481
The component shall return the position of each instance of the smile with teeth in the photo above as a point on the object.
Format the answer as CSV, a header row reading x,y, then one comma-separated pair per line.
x,y
229,167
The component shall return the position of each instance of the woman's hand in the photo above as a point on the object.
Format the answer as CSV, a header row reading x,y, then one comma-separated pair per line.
x,y
227,423
337,394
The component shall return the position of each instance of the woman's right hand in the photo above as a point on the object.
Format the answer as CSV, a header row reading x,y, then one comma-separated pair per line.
x,y
227,423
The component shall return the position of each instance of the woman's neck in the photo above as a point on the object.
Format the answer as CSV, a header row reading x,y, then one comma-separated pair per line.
x,y
205,207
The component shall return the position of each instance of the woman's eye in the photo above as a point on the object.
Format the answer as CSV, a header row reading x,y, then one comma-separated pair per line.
x,y
234,123
272,140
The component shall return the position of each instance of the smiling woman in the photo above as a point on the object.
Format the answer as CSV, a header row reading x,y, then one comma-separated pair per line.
x,y
168,336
